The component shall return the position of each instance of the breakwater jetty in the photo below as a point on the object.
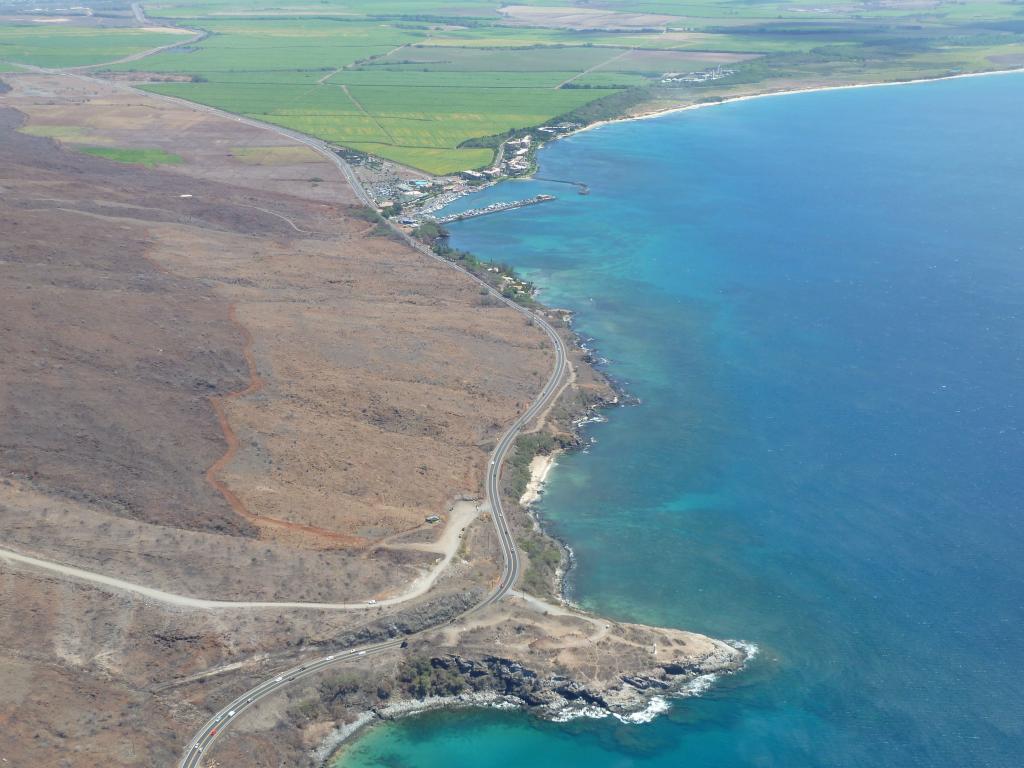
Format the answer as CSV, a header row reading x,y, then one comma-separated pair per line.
x,y
495,208
582,188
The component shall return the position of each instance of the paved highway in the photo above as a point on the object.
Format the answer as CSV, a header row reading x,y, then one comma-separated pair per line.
x,y
215,726
511,565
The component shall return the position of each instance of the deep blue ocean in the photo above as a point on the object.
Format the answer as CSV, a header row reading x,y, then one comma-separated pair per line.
x,y
819,300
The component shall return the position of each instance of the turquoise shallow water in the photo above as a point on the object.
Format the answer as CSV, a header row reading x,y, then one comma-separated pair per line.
x,y
819,300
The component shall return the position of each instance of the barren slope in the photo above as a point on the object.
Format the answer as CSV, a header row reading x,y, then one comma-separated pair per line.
x,y
219,380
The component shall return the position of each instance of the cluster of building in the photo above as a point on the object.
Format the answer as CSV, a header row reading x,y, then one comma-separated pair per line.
x,y
412,200
487,174
703,76
509,284
558,130
513,160
514,155
410,191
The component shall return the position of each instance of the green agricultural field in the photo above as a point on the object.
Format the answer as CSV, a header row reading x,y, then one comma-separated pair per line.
x,y
45,45
148,157
420,125
431,84
376,87
269,8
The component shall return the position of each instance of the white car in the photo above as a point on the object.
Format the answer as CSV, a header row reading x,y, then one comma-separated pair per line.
x,y
330,658
362,653
371,602
279,678
231,713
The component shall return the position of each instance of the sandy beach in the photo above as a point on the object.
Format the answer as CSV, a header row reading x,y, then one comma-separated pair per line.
x,y
783,92
540,466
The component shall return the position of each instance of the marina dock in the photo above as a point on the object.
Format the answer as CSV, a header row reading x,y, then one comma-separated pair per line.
x,y
495,208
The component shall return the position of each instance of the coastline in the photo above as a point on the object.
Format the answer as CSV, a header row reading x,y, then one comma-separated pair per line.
x,y
332,747
540,468
635,707
655,113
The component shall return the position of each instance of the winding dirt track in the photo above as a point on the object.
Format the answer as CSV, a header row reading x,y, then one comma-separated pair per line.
x,y
419,587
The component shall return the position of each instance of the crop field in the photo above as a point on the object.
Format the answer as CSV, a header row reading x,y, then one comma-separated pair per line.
x,y
377,88
147,157
430,84
45,45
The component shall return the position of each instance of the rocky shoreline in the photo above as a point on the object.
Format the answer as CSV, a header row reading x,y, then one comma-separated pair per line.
x,y
634,696
503,683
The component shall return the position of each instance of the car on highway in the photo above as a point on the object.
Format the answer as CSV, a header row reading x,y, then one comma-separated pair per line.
x,y
330,658
362,653
371,602
278,679
231,713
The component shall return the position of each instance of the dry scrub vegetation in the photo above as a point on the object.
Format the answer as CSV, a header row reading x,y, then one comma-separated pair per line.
x,y
220,381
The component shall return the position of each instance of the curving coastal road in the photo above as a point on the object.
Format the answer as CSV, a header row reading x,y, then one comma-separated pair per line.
x,y
221,720
511,566
215,726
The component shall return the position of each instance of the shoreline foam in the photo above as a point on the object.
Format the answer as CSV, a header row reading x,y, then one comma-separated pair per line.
x,y
332,747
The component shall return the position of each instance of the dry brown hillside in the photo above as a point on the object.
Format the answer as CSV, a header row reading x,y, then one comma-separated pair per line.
x,y
220,379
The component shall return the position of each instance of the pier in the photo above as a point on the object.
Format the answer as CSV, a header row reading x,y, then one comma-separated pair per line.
x,y
495,208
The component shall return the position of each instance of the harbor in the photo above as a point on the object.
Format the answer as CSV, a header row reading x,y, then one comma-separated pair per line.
x,y
495,208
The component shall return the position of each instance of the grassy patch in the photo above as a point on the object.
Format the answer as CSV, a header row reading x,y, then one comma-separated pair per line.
x,y
148,157
69,133
275,155
47,45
